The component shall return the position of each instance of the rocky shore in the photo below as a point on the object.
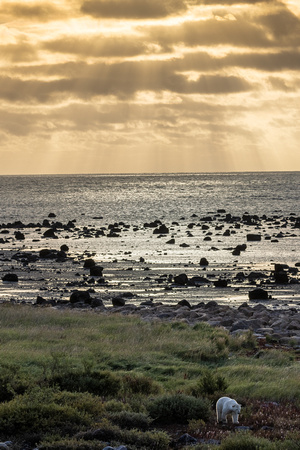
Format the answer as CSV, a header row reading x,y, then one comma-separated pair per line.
x,y
238,272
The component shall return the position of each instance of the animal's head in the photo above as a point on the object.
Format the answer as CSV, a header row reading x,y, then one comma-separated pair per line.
x,y
236,408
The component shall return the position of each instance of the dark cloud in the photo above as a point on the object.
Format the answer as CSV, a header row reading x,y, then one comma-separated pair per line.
x,y
132,9
240,33
122,80
18,52
283,24
43,11
269,62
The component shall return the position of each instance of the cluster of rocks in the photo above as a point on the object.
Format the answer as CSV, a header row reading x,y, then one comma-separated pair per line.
x,y
220,223
280,326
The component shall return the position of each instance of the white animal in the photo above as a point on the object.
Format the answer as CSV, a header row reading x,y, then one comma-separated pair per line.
x,y
225,406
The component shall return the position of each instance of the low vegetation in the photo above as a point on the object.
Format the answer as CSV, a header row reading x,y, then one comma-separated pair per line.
x,y
78,380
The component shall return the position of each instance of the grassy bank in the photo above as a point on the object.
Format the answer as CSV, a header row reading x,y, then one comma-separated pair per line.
x,y
66,374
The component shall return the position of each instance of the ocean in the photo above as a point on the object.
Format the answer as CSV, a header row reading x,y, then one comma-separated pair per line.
x,y
136,198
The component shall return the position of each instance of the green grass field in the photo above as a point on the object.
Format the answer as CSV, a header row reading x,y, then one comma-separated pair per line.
x,y
69,372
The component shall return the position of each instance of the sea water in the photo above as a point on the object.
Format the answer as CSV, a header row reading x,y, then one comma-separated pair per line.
x,y
138,198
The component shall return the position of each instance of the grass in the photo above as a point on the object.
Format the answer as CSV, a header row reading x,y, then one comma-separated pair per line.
x,y
119,364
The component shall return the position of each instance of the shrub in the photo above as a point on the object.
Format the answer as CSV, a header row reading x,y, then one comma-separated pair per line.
x,y
136,439
11,383
246,441
138,384
179,408
209,384
47,410
126,419
96,382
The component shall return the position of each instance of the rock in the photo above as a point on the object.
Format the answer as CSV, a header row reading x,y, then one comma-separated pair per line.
x,y
240,325
196,281
181,279
52,254
203,262
50,234
211,304
171,241
12,277
80,297
40,300
221,283
253,237
88,263
96,302
64,248
184,303
118,301
258,294
162,229
96,271
186,439
51,215
281,277
19,236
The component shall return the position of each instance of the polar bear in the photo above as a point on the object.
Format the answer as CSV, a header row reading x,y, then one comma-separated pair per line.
x,y
226,405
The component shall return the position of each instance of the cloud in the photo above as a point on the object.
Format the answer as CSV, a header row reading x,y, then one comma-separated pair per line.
x,y
18,52
121,80
239,32
283,25
99,46
133,9
42,11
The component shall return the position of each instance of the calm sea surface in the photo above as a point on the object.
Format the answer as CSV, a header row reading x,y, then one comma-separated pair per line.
x,y
138,198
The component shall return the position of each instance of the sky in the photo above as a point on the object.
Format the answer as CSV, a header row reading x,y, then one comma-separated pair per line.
x,y
146,86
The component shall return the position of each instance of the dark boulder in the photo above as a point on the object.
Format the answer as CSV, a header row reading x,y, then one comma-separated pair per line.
x,y
184,303
281,277
64,248
196,281
19,236
50,233
80,297
10,277
96,302
46,253
258,294
280,267
96,271
221,283
181,279
118,301
88,263
253,237
41,300
211,304
171,241
162,229
203,262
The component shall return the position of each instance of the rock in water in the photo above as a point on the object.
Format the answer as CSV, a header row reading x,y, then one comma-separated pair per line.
x,y
10,277
80,296
258,294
